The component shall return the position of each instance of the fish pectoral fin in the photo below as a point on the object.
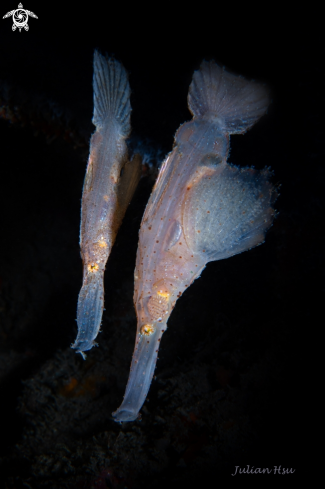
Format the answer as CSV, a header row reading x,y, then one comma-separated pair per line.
x,y
129,179
228,212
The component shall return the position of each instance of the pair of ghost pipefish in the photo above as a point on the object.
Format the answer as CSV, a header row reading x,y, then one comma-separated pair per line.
x,y
200,205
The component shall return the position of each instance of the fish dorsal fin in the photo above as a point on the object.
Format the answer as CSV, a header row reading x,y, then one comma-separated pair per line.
x,y
228,211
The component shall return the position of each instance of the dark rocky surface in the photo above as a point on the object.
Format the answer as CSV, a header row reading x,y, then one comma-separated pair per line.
x,y
233,372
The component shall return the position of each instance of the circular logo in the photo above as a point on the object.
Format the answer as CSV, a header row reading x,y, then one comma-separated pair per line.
x,y
20,18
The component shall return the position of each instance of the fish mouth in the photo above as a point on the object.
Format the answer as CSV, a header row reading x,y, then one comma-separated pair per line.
x,y
141,372
122,415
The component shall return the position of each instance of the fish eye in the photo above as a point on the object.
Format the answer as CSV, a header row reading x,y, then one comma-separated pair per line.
x,y
147,329
93,267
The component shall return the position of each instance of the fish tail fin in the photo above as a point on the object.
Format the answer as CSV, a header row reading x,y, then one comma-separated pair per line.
x,y
89,311
234,102
111,93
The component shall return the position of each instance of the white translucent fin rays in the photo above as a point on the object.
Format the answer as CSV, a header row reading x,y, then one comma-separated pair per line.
x,y
217,94
111,93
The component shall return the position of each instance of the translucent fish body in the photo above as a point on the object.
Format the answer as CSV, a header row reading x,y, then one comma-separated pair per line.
x,y
201,209
109,184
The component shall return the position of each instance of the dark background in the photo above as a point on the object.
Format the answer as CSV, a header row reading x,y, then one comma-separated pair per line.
x,y
233,380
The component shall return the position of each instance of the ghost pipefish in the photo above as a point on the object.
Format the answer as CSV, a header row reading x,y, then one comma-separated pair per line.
x,y
109,184
201,209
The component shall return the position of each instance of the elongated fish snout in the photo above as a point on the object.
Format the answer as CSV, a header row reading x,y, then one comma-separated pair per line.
x,y
89,312
141,372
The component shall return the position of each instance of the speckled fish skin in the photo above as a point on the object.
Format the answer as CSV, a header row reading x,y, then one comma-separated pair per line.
x,y
201,209
106,193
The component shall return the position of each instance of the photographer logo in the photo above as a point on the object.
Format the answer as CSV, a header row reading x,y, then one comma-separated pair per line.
x,y
20,18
